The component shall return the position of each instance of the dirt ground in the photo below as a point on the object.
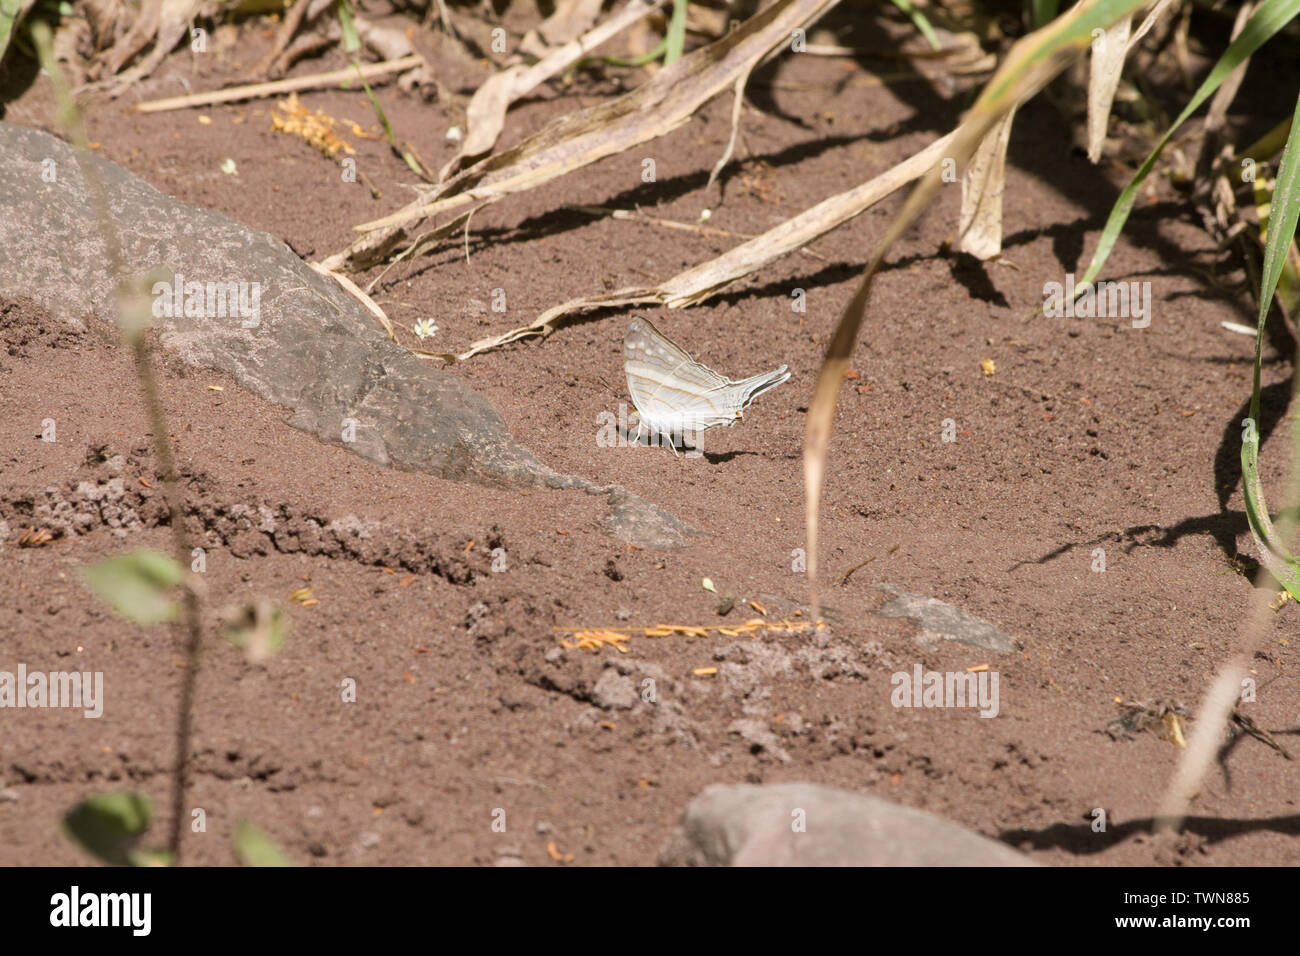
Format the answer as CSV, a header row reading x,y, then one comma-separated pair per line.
x,y
1089,434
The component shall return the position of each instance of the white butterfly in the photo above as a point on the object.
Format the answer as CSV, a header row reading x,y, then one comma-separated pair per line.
x,y
675,395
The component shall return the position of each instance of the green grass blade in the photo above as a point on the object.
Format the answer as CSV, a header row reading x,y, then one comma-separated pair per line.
x,y
352,43
919,21
351,40
676,35
641,60
1044,11
1285,210
1271,17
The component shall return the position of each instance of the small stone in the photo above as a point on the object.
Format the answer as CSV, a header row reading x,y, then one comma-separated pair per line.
x,y
614,691
8,795
940,621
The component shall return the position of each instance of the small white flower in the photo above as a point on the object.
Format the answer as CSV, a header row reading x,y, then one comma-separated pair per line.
x,y
424,328
454,134
229,168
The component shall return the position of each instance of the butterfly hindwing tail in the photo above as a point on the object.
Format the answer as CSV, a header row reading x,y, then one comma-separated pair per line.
x,y
754,386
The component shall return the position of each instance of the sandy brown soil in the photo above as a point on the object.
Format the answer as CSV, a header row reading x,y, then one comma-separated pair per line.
x,y
1090,434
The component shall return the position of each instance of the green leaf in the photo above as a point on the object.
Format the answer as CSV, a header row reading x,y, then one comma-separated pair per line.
x,y
1288,285
255,848
1283,213
110,825
10,10
1271,17
136,584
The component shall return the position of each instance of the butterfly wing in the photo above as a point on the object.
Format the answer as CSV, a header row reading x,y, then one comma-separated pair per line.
x,y
672,392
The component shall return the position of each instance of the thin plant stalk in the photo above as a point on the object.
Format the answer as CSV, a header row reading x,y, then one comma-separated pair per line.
x,y
133,309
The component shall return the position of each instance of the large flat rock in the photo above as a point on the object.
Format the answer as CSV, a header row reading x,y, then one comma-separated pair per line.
x,y
314,350
802,824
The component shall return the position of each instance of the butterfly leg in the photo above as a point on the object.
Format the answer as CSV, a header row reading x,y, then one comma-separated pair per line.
x,y
694,450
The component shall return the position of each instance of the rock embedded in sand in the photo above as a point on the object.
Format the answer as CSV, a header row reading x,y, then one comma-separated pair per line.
x,y
801,824
305,343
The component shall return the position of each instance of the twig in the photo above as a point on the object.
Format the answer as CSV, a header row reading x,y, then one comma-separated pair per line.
x,y
707,231
1259,733
844,578
283,37
260,90
352,289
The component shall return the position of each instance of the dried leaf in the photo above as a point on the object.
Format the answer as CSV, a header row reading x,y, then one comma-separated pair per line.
x,y
165,23
982,187
697,284
1108,52
572,142
485,116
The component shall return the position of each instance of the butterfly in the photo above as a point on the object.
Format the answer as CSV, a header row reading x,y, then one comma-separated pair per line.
x,y
674,394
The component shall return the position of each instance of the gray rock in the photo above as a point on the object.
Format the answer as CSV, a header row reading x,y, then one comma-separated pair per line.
x,y
613,691
940,621
315,349
756,826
